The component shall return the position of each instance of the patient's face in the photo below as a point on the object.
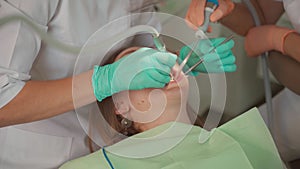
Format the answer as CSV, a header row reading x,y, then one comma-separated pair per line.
x,y
148,105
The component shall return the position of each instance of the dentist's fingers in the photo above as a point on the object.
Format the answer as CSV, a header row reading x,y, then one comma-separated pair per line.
x,y
195,13
229,68
212,57
166,58
157,76
225,47
225,7
163,69
230,60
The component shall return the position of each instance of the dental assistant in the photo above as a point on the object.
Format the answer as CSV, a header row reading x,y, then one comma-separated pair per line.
x,y
284,57
38,126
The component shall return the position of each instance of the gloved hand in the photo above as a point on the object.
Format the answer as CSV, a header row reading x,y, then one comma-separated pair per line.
x,y
220,60
265,38
195,13
144,68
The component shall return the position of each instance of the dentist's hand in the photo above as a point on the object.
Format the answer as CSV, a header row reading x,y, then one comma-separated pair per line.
x,y
220,60
195,13
265,38
144,68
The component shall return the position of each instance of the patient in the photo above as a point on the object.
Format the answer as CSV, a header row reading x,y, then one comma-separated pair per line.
x,y
149,112
148,108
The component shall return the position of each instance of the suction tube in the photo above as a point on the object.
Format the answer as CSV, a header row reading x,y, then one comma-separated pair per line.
x,y
264,65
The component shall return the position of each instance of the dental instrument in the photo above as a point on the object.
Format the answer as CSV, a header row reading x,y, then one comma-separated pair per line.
x,y
186,59
265,68
193,67
211,5
223,42
201,59
159,44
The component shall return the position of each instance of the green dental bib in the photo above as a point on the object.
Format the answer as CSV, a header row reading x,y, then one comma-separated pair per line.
x,y
242,143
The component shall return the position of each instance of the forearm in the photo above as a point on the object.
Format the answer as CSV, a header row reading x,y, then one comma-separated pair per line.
x,y
240,20
290,46
286,70
44,99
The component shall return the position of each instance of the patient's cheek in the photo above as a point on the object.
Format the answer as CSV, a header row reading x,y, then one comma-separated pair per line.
x,y
139,99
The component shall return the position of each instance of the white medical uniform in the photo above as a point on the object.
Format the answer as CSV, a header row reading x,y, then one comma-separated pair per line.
x,y
286,105
48,143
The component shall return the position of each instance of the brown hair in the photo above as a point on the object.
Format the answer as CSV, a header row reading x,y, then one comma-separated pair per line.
x,y
107,108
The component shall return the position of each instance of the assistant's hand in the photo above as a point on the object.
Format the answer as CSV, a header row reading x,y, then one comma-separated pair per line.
x,y
144,68
195,13
220,60
265,38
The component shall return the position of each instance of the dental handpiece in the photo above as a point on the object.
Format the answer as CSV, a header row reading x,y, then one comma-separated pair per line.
x,y
211,5
159,44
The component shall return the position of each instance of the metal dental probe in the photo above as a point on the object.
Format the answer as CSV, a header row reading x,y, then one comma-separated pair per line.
x,y
185,60
194,66
211,5
213,49
223,42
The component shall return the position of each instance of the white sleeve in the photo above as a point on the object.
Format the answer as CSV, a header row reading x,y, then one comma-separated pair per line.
x,y
19,46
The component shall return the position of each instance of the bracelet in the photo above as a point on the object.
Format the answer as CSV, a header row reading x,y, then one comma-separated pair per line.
x,y
283,40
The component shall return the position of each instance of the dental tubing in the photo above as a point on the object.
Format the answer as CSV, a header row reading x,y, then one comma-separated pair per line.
x,y
264,58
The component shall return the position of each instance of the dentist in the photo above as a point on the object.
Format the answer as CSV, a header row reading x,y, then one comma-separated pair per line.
x,y
38,126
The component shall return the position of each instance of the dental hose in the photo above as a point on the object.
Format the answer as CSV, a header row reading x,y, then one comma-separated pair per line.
x,y
264,65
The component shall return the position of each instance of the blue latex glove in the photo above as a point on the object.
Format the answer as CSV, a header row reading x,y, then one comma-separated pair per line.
x,y
144,68
220,60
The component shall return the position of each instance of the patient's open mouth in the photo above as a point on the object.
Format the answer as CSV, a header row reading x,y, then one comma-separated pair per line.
x,y
176,76
174,80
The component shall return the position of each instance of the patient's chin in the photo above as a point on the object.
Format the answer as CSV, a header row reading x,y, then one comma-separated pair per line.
x,y
180,83
177,91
